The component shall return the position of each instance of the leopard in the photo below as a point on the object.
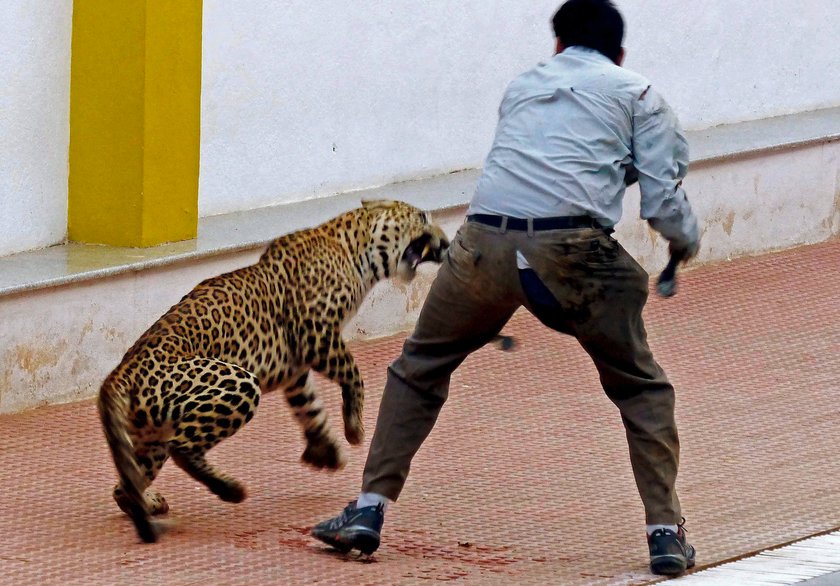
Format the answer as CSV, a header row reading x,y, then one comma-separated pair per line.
x,y
195,377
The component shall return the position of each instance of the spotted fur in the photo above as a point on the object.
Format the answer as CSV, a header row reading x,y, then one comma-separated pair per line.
x,y
195,377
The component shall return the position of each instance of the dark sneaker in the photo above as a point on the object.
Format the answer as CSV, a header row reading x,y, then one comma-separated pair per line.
x,y
670,553
353,529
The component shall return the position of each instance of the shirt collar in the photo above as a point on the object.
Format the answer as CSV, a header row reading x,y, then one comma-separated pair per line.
x,y
585,52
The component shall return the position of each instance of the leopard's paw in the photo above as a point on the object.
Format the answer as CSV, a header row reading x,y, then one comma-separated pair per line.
x,y
230,491
156,503
324,455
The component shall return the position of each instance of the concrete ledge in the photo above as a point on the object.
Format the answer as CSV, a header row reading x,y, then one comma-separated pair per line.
x,y
732,141
72,263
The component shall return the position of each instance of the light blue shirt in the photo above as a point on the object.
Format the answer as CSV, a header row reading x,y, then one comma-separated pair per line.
x,y
569,131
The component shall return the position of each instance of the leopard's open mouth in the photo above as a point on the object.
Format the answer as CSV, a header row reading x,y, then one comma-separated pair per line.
x,y
423,249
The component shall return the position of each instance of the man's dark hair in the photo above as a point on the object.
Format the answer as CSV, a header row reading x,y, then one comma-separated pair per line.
x,y
596,24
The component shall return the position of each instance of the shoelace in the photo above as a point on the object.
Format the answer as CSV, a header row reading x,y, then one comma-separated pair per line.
x,y
343,516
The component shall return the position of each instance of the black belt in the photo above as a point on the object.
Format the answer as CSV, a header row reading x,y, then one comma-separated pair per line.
x,y
538,224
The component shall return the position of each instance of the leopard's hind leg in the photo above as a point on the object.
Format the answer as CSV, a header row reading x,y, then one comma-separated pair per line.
x,y
191,459
150,457
223,398
322,449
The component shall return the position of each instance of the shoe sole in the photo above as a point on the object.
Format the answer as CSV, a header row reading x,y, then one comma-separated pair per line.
x,y
668,565
361,538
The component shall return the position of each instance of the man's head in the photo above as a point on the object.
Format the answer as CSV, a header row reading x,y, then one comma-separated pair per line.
x,y
596,24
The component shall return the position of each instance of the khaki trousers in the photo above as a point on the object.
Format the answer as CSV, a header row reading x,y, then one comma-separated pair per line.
x,y
599,290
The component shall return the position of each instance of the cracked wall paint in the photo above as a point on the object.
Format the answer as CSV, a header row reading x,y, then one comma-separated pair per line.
x,y
833,222
728,222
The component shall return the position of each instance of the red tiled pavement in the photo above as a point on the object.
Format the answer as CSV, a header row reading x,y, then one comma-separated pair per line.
x,y
525,480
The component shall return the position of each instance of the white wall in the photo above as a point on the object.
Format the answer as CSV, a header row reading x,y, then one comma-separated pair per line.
x,y
34,122
303,99
721,61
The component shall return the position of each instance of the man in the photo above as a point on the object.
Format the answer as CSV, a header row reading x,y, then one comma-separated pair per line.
x,y
571,133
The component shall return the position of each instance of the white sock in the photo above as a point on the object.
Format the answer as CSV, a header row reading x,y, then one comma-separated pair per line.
x,y
652,528
371,499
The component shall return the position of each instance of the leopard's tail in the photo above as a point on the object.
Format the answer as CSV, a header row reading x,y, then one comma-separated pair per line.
x,y
113,412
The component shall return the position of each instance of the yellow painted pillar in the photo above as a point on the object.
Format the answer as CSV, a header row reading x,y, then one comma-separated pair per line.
x,y
135,101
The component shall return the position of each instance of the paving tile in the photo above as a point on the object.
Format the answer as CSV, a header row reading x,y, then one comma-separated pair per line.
x,y
525,479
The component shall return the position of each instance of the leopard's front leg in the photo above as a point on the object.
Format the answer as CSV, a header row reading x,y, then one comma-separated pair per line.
x,y
322,449
335,361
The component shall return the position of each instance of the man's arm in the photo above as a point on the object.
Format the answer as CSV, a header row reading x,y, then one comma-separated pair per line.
x,y
660,156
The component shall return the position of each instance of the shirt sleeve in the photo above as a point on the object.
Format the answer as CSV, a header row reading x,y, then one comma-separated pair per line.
x,y
660,156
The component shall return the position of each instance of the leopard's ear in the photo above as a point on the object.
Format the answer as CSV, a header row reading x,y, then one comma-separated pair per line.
x,y
376,204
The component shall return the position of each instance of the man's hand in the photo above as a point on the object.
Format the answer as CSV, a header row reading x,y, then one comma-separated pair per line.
x,y
684,252
666,285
